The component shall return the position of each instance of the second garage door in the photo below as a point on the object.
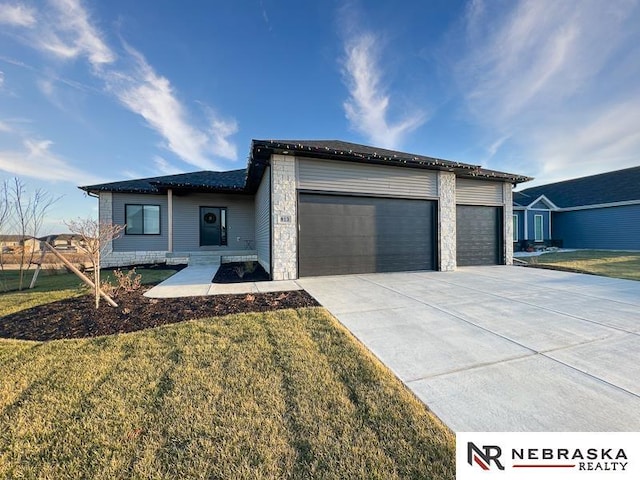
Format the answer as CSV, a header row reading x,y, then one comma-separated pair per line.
x,y
478,235
345,234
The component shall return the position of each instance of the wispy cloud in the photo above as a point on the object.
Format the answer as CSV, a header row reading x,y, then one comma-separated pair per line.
x,y
36,160
150,95
164,167
545,77
367,107
72,34
17,15
66,31
265,16
219,131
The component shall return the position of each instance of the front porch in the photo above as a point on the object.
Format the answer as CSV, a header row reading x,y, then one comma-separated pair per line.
x,y
197,280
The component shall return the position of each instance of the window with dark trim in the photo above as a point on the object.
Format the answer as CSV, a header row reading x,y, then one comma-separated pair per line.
x,y
515,228
142,219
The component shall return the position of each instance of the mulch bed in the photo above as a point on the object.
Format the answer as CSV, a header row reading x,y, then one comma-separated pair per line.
x,y
228,273
78,318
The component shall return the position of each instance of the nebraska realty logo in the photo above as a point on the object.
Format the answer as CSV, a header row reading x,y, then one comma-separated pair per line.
x,y
559,455
483,457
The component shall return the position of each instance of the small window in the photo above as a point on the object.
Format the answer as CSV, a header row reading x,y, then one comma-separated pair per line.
x,y
537,223
142,219
515,228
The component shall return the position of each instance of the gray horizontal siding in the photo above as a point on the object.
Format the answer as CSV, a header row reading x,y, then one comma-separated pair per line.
x,y
478,192
349,177
137,243
263,225
604,228
186,221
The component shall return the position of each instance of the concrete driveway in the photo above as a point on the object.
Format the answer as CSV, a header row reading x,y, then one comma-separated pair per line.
x,y
502,348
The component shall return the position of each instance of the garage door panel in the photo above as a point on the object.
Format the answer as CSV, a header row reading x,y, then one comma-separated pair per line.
x,y
341,234
355,246
478,235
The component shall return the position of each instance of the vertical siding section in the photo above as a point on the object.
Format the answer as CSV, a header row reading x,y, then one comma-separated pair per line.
x,y
186,221
615,228
263,225
350,177
478,192
137,243
520,215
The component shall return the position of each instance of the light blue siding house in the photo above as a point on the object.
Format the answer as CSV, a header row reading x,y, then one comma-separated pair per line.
x,y
597,212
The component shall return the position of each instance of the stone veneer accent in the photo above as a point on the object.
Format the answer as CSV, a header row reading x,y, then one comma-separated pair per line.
x,y
447,220
507,195
238,258
125,259
284,239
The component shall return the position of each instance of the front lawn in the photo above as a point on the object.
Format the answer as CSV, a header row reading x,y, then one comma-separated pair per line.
x,y
284,394
598,262
57,285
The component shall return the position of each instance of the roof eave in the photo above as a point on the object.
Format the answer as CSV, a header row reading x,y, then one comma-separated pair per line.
x,y
323,152
264,148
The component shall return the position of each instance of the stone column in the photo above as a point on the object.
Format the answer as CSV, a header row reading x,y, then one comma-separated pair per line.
x,y
447,221
170,220
507,195
105,214
284,239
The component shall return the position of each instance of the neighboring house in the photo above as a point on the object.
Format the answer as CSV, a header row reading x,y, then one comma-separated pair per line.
x,y
13,243
304,208
64,242
531,221
600,211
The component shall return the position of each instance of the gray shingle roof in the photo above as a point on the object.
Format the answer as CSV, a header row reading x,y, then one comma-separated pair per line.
x,y
340,150
230,181
247,180
521,199
611,187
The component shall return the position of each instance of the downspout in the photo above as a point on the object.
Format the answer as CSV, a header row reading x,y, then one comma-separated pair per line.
x,y
170,220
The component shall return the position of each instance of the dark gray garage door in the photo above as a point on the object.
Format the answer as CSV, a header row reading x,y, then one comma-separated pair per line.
x,y
479,235
343,234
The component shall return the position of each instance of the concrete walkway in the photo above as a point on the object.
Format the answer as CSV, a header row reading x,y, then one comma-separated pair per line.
x,y
195,281
502,348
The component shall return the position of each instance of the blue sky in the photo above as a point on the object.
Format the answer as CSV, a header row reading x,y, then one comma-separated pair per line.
x,y
94,91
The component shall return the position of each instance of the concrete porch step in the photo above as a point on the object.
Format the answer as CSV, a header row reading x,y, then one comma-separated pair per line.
x,y
213,257
208,259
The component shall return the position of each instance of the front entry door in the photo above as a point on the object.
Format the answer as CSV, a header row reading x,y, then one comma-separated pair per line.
x,y
210,226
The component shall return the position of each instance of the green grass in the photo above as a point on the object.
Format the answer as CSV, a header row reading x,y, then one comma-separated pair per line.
x,y
599,262
51,287
287,394
49,280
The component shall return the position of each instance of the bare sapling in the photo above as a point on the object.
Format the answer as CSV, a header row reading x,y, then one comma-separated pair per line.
x,y
95,238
